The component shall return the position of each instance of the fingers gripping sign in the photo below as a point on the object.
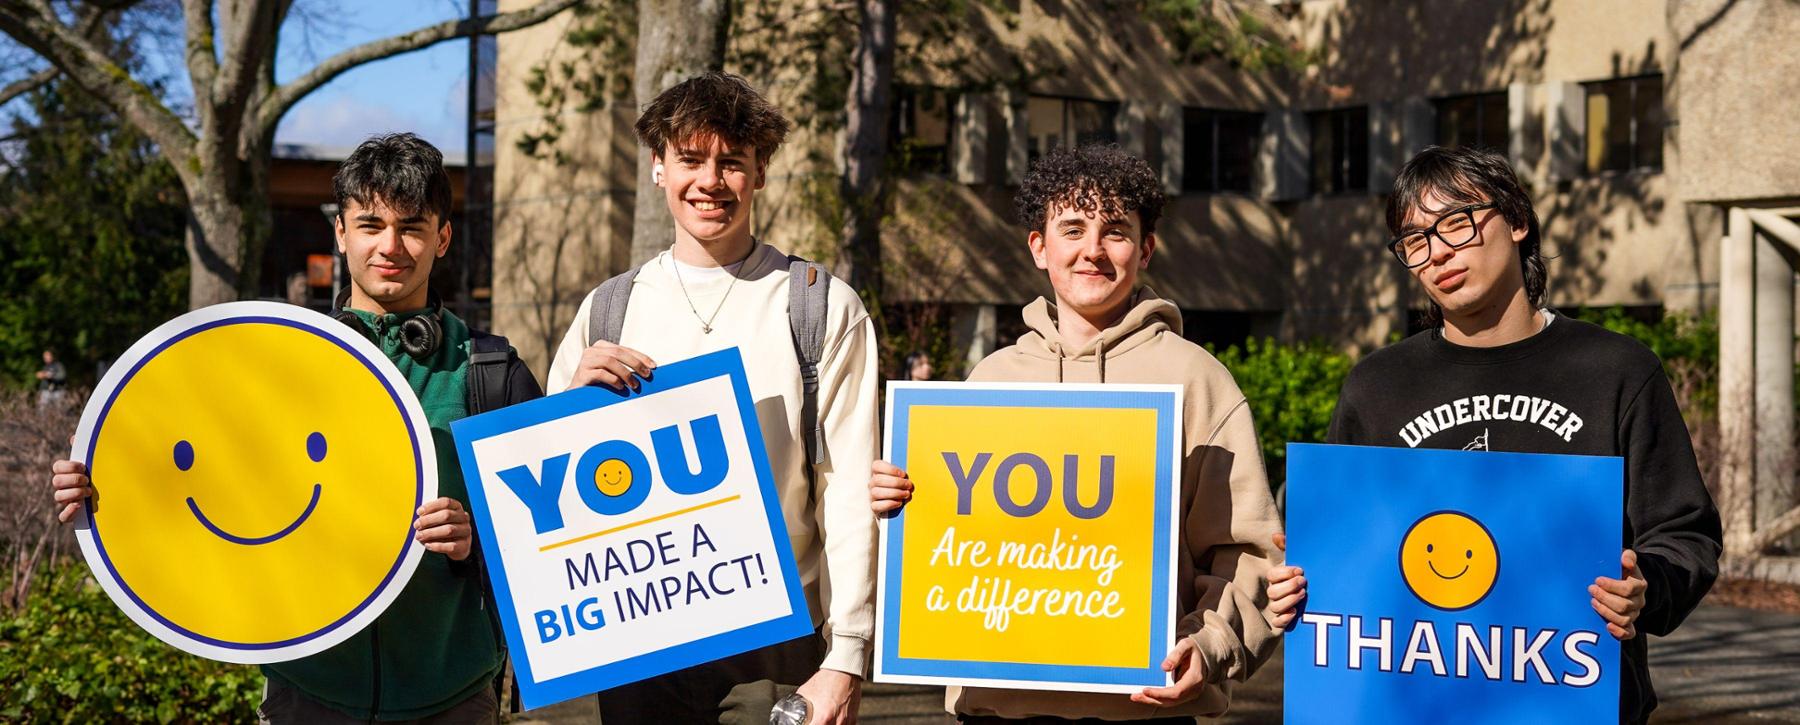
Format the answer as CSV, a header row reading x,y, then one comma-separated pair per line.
x,y
1187,669
889,487
443,526
1287,589
614,366
1620,601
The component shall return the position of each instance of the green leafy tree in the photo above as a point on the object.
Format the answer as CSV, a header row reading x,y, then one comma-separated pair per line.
x,y
91,225
1292,389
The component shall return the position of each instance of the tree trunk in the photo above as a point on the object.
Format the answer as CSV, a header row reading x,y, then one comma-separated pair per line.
x,y
676,41
865,149
214,245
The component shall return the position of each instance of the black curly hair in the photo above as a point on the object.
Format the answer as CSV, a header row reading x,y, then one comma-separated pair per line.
x,y
1095,178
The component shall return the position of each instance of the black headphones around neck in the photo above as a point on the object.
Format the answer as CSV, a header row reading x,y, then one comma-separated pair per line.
x,y
420,335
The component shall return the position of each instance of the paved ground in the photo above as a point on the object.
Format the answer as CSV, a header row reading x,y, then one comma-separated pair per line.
x,y
1725,666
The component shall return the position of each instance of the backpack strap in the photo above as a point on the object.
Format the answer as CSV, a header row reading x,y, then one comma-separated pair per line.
x,y
808,283
606,309
488,359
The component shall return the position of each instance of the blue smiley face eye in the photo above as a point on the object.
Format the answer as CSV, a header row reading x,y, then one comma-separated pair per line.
x,y
315,446
1469,554
1427,548
184,455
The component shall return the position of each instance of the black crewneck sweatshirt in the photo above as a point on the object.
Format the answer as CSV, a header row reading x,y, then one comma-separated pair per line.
x,y
1574,388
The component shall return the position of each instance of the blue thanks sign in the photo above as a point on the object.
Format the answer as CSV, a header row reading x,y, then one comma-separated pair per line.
x,y
1451,586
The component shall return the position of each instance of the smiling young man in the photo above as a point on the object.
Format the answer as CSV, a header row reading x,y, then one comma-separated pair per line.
x,y
1092,214
1504,373
717,286
434,655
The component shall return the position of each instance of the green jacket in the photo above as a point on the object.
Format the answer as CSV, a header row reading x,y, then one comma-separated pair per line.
x,y
438,643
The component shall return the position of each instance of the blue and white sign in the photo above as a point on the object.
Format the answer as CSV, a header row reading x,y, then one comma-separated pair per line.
x,y
631,534
1451,586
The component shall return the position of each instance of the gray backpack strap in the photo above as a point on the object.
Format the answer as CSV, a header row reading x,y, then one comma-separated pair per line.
x,y
807,286
606,311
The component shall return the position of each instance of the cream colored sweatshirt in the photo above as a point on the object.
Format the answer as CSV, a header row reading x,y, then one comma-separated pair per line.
x,y
828,519
1228,517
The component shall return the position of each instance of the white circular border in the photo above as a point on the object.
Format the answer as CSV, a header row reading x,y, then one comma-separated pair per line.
x,y
332,329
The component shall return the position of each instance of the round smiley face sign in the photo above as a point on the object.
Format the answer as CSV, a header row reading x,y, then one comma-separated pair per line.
x,y
1449,560
256,469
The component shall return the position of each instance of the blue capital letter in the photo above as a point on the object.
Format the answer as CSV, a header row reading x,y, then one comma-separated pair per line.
x,y
709,447
540,494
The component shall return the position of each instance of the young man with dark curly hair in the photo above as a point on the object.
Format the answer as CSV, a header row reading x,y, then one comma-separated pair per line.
x,y
1092,214
1499,371
717,286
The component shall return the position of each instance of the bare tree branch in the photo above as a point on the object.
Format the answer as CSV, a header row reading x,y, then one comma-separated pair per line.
x,y
27,84
252,24
290,93
200,51
84,62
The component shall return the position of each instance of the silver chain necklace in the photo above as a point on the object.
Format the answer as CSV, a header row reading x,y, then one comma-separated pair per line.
x,y
706,322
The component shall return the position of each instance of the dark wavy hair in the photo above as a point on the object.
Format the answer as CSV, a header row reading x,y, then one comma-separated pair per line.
x,y
402,170
1096,178
1463,175
713,104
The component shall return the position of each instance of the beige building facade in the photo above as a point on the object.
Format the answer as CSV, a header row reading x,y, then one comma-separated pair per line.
x,y
1634,123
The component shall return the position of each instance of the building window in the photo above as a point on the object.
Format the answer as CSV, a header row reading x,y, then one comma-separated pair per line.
x,y
1219,149
921,133
1069,122
1478,121
1624,124
1340,150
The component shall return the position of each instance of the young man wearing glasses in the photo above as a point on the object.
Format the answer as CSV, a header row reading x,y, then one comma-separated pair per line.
x,y
1504,373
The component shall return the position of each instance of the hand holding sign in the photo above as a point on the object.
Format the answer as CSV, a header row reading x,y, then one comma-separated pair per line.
x,y
889,488
1620,601
444,527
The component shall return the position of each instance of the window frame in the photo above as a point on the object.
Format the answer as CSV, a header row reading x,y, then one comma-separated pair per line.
x,y
1481,99
1215,121
1068,138
1635,145
1344,119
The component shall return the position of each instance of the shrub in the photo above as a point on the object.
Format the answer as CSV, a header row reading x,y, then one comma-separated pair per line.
x,y
71,656
1292,389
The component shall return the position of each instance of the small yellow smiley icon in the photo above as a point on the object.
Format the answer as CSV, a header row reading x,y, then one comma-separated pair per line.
x,y
1449,560
613,477
258,468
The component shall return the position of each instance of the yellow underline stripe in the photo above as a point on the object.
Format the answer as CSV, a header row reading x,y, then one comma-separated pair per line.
x,y
651,520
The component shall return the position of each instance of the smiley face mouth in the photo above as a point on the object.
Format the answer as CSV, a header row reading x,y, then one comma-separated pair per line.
x,y
254,540
1440,574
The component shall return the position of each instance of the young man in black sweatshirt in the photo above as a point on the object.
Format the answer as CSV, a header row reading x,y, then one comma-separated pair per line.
x,y
1503,373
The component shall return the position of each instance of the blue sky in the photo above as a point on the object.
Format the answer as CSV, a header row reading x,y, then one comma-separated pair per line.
x,y
425,91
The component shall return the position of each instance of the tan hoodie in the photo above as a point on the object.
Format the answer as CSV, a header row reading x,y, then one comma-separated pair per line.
x,y
1228,518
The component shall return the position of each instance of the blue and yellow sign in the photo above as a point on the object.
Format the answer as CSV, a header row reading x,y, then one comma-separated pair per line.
x,y
1451,586
257,469
1039,511
629,535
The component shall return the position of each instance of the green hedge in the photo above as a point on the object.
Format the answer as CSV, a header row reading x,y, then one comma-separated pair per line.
x,y
71,656
1292,389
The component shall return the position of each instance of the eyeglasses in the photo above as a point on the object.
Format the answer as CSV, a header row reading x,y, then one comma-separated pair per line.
x,y
1455,229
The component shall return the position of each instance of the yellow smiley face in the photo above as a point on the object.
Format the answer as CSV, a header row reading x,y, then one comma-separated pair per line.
x,y
257,470
613,477
1449,560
